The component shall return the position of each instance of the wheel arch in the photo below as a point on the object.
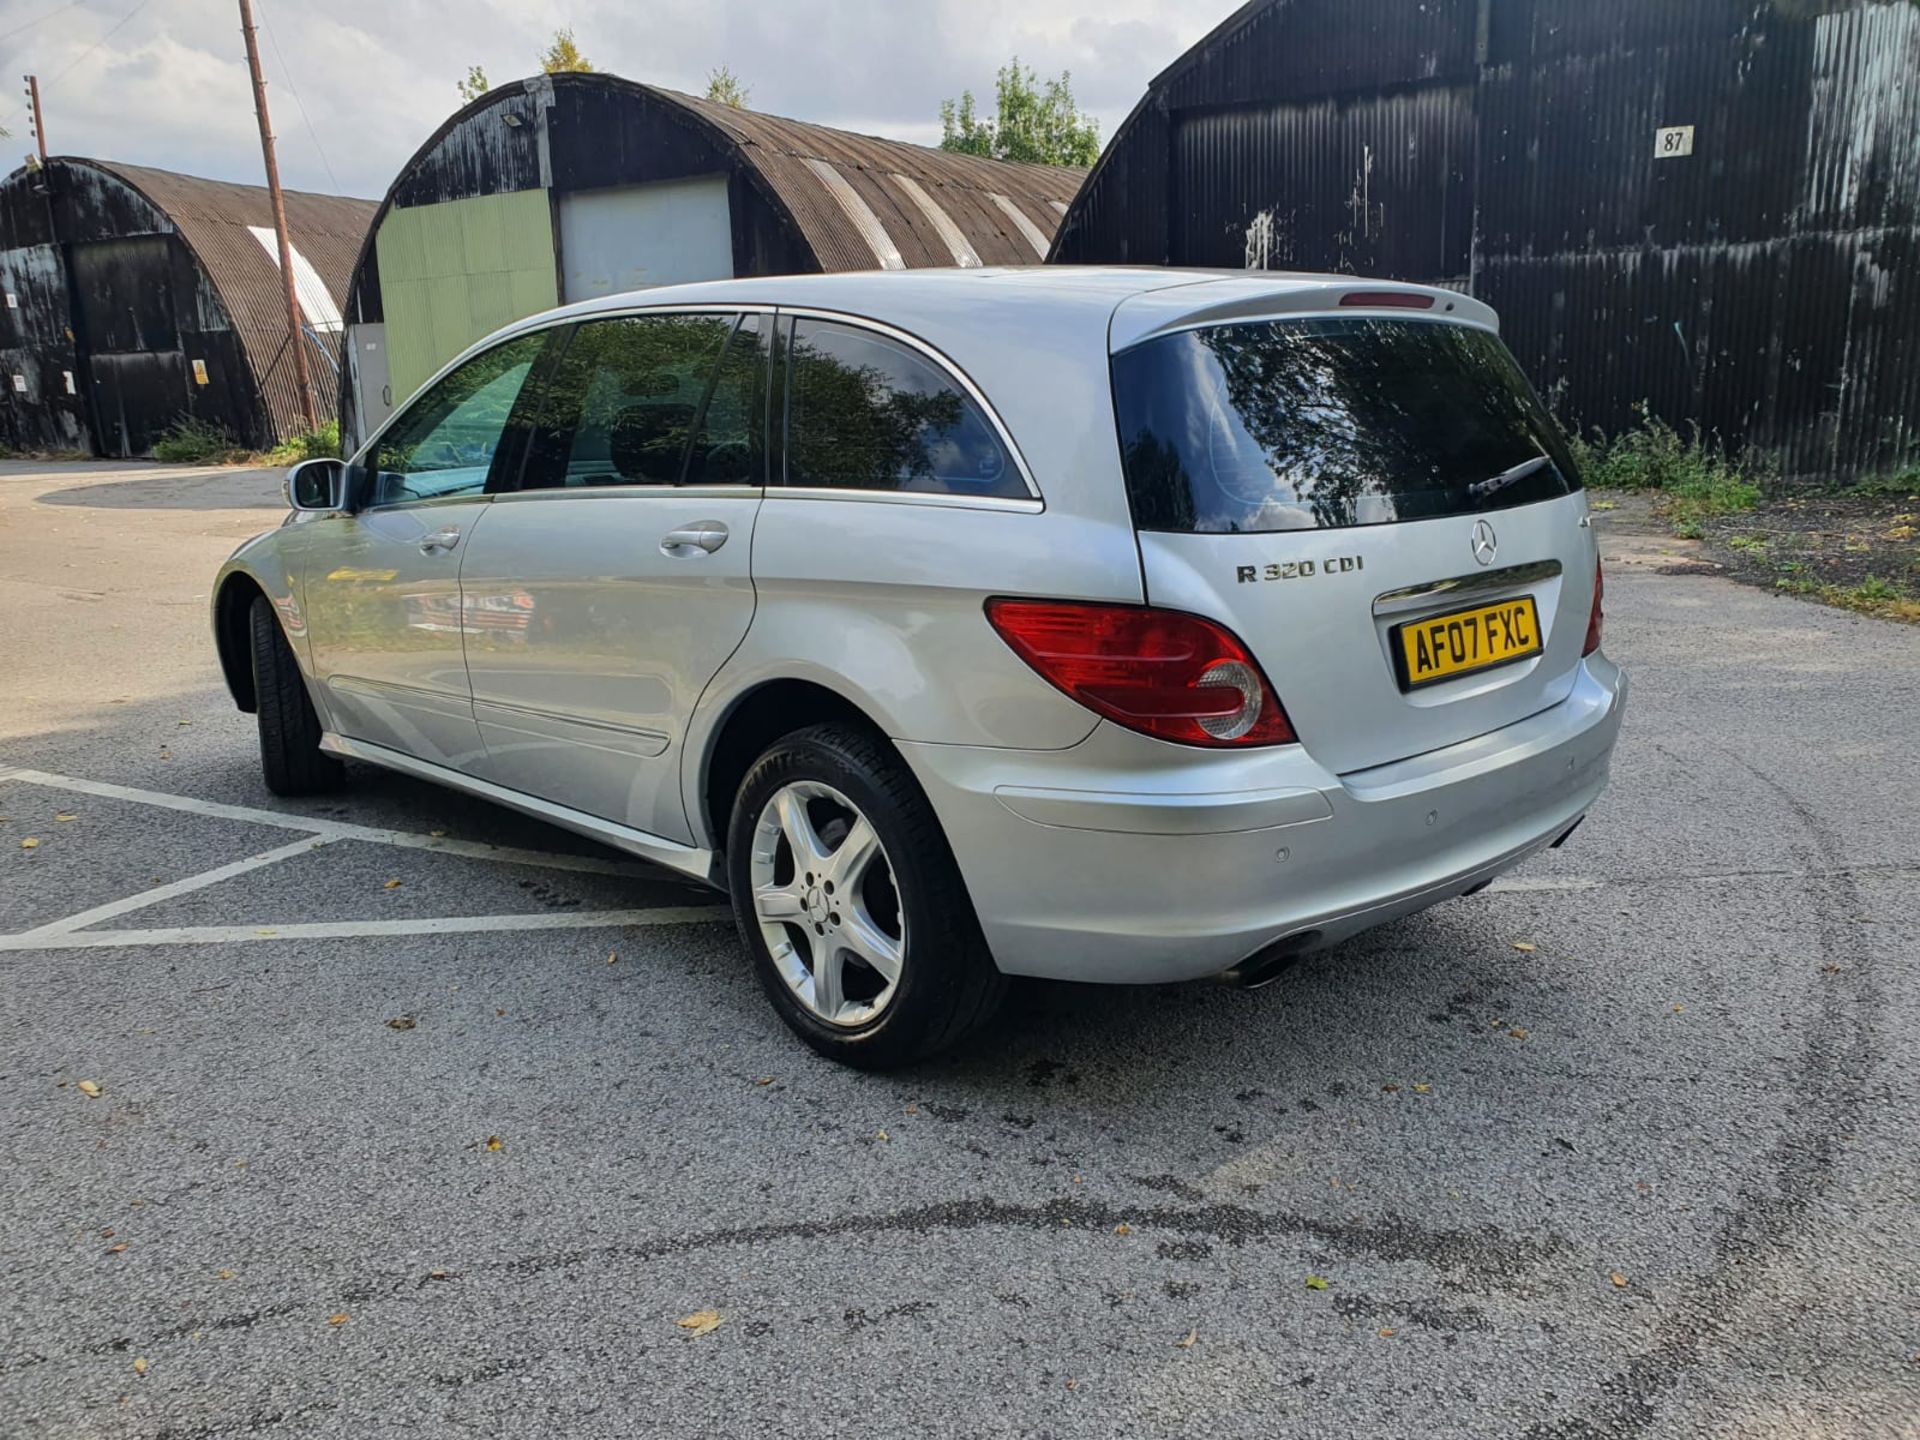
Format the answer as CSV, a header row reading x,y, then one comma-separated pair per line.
x,y
232,638
752,721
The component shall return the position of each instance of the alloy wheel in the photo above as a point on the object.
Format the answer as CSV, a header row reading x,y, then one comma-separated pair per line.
x,y
826,902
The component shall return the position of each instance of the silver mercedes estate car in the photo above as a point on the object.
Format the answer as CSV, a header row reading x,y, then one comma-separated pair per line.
x,y
1101,625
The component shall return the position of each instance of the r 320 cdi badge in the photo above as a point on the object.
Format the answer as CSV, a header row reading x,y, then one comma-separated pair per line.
x,y
1104,625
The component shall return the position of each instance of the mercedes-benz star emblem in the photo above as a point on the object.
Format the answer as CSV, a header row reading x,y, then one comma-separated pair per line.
x,y
1486,544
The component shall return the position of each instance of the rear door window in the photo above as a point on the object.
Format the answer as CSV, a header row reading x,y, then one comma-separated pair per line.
x,y
865,412
1327,423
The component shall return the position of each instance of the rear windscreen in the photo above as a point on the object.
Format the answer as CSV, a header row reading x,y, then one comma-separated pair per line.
x,y
1319,424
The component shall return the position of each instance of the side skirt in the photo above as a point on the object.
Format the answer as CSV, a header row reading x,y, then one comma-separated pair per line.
x,y
701,865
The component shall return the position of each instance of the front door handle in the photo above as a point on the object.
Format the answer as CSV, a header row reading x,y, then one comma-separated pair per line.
x,y
440,540
703,537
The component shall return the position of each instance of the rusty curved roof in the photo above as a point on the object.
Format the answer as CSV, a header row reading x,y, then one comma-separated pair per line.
x,y
995,212
858,201
214,219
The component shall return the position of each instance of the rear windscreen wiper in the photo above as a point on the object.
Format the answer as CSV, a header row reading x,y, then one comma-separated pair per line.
x,y
1480,489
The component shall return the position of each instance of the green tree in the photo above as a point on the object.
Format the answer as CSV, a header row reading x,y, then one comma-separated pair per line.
x,y
564,55
474,86
724,87
1036,123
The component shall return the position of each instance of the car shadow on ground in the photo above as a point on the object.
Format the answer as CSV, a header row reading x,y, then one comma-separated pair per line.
x,y
200,490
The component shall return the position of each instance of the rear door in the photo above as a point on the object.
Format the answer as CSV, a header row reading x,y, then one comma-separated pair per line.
x,y
613,580
1378,505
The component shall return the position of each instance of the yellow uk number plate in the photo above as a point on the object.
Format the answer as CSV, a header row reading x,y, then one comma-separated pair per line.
x,y
1428,652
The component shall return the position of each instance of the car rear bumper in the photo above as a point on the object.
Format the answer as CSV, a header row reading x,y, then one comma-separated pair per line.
x,y
1106,863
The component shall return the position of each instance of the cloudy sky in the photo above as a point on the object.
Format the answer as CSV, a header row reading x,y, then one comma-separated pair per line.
x,y
356,85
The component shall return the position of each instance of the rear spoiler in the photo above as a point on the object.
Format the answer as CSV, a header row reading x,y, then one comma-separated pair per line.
x,y
1260,296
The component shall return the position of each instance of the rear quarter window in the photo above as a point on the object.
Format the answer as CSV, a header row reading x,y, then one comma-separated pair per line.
x,y
1327,423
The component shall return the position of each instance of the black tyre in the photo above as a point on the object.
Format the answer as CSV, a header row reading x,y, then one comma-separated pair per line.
x,y
290,754
850,903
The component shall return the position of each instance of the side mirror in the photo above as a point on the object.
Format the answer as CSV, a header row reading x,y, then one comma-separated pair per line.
x,y
318,485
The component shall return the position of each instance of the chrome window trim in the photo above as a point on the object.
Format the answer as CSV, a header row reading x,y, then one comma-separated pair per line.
x,y
682,492
948,368
909,497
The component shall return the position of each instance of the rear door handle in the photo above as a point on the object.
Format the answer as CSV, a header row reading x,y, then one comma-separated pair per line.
x,y
440,540
703,537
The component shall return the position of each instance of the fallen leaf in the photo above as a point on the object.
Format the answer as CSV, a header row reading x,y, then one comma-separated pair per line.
x,y
263,931
224,1275
139,1364
501,1013
612,956
1123,1229
764,1080
62,819
1191,1339
118,1249
913,1109
494,1142
1386,1332
391,885
106,1234
1517,1033
88,1089
1619,1280
1390,1089
1423,1089
30,843
1524,948
183,723
881,1135
1073,1384
340,1318
1079,1179
437,834
402,1022
1317,1282
1679,1009
701,1322
1831,969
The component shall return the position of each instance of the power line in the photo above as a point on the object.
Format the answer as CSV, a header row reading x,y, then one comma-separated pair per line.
x,y
22,29
298,103
68,67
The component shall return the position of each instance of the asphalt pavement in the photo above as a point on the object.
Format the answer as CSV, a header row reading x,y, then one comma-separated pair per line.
x,y
1627,1146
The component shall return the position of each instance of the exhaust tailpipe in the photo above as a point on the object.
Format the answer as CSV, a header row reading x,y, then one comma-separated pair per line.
x,y
1269,963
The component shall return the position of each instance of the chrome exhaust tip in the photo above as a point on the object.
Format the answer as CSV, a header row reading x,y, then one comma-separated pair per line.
x,y
1270,962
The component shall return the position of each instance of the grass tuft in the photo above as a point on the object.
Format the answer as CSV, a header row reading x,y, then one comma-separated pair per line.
x,y
1695,481
195,442
317,444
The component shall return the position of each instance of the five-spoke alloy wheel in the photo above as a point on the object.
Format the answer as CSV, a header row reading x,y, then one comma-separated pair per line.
x,y
850,903
828,910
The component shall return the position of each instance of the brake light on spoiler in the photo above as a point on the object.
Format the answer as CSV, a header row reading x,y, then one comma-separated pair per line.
x,y
1387,300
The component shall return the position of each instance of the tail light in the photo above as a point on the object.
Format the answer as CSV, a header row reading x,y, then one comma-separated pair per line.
x,y
1160,672
1597,621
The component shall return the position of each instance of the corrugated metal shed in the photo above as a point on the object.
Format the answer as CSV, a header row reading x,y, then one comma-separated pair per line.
x,y
1762,279
158,298
217,221
798,198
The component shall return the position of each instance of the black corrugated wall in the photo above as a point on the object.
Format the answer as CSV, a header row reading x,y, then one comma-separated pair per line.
x,y
1767,286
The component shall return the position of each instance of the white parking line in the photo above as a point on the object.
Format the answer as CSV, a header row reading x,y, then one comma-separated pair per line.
x,y
178,887
367,929
334,829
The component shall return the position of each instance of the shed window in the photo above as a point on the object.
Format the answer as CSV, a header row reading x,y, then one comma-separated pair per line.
x,y
865,412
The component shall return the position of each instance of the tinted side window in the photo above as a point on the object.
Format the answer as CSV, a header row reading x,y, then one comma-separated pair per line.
x,y
865,412
622,403
729,447
444,443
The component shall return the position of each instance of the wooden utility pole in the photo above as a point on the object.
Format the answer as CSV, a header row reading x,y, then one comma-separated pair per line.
x,y
294,337
39,125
